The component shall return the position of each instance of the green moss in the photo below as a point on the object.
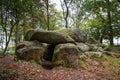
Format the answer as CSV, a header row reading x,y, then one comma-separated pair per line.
x,y
65,31
68,38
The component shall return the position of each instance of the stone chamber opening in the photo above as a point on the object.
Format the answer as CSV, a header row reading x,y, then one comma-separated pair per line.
x,y
48,56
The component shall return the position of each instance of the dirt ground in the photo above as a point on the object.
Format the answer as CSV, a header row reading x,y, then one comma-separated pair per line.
x,y
91,70
107,68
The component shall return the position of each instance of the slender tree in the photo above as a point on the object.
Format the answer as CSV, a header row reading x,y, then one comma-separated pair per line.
x,y
65,4
47,12
109,22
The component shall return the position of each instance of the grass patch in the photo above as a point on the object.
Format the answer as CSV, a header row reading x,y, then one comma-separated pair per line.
x,y
116,54
112,61
100,59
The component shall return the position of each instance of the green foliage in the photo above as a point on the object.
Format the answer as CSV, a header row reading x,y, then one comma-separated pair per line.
x,y
97,24
91,14
83,57
95,28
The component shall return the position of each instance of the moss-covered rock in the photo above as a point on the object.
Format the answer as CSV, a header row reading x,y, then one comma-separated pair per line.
x,y
66,55
95,47
77,34
30,50
49,37
83,47
28,44
30,53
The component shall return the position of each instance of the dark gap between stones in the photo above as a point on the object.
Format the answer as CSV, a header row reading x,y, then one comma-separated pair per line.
x,y
48,56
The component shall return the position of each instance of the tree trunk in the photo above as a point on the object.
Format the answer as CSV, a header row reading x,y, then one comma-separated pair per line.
x,y
9,37
16,37
4,27
33,21
101,40
109,24
67,13
66,18
47,5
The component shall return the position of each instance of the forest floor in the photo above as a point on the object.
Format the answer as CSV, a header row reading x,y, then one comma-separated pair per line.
x,y
106,67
